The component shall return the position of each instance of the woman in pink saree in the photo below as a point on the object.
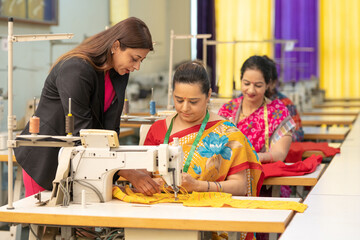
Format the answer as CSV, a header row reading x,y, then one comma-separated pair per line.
x,y
267,124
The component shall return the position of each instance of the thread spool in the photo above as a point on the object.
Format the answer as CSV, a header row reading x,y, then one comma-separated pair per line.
x,y
69,121
69,124
126,107
152,107
152,103
34,125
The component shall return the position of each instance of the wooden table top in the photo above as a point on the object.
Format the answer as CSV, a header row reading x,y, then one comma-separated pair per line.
x,y
308,120
327,217
331,111
4,156
352,104
341,99
321,133
333,204
342,175
305,180
124,132
157,216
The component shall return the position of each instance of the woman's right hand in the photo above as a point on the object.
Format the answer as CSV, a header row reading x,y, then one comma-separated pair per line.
x,y
141,180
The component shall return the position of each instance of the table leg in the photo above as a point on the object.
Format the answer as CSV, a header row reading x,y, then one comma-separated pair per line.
x,y
275,191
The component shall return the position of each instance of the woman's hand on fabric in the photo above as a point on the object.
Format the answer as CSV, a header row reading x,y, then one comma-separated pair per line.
x,y
160,181
278,151
189,183
141,180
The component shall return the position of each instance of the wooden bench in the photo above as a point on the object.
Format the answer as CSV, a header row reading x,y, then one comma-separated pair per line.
x,y
327,120
331,111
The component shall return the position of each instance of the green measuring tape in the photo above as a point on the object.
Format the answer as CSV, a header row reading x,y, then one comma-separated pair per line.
x,y
195,143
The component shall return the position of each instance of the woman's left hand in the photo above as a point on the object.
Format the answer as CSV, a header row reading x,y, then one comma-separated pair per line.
x,y
265,157
189,183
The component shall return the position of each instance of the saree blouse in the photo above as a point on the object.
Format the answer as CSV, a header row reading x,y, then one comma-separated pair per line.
x,y
279,122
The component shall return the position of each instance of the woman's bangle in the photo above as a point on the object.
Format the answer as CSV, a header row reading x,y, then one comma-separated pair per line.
x,y
221,189
208,186
271,157
217,188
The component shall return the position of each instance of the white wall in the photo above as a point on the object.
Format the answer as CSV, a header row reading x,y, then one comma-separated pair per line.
x,y
161,16
81,17
85,18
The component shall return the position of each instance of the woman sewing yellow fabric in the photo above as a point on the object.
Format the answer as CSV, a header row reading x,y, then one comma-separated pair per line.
x,y
217,156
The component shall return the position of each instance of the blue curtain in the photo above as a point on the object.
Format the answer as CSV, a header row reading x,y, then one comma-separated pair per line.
x,y
297,19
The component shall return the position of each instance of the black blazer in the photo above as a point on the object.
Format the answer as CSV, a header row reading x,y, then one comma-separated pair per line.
x,y
74,78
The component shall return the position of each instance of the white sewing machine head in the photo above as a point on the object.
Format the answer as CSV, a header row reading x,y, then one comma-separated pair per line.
x,y
91,167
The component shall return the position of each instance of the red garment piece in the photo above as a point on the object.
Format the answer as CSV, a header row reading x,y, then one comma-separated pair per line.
x,y
279,169
298,148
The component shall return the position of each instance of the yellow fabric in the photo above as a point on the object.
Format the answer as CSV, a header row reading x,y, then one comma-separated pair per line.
x,y
339,48
240,20
206,199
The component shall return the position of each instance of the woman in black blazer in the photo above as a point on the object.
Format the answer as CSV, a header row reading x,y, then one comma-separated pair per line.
x,y
94,75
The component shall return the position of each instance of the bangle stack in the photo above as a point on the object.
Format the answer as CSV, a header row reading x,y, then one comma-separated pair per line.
x,y
218,187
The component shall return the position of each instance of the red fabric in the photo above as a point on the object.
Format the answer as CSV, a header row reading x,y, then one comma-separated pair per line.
x,y
298,148
31,187
280,169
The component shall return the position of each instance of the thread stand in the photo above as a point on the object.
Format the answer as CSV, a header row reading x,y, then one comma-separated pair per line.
x,y
11,118
173,37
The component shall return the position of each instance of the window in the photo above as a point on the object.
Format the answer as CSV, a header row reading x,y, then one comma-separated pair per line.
x,y
33,11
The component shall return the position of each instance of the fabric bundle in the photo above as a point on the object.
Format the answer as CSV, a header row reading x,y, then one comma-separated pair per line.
x,y
280,169
206,199
298,148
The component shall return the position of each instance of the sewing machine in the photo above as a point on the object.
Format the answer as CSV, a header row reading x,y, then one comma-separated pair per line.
x,y
91,166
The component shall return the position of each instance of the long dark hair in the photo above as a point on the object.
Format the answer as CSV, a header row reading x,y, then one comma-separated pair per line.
x,y
131,33
193,72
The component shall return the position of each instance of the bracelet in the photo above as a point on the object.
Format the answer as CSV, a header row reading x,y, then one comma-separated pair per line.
x,y
271,157
217,188
221,189
208,186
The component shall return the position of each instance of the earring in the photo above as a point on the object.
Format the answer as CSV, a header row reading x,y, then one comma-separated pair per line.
x,y
112,52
